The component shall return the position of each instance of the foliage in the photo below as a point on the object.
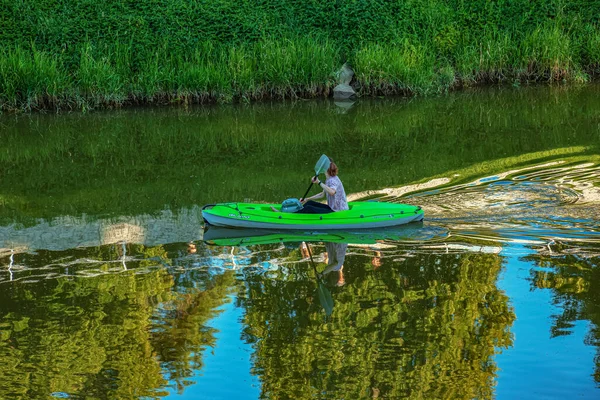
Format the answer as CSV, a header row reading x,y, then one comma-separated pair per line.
x,y
92,54
112,335
429,331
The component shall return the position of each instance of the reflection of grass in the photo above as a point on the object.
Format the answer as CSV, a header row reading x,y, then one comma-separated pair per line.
x,y
143,161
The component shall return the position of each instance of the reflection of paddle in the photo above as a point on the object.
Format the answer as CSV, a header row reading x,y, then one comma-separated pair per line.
x,y
324,295
321,166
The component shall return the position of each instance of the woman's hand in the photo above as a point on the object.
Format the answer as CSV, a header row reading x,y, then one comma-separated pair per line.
x,y
315,179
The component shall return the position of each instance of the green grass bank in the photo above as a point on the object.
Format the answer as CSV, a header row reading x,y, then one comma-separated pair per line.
x,y
89,54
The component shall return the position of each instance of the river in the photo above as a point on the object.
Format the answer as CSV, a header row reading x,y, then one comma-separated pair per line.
x,y
109,287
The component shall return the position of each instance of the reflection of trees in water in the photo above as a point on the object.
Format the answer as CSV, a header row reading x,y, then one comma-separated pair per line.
x,y
80,336
181,332
574,279
427,327
120,335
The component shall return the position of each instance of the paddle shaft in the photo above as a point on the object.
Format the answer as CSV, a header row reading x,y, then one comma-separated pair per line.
x,y
312,262
324,294
308,190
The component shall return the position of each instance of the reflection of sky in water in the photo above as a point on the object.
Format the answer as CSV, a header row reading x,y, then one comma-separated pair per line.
x,y
228,363
538,366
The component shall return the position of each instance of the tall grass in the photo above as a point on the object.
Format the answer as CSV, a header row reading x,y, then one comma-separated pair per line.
x,y
204,75
269,68
31,79
305,64
115,74
590,49
547,54
97,80
491,59
404,68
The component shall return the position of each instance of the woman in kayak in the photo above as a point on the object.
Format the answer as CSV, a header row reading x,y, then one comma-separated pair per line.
x,y
333,188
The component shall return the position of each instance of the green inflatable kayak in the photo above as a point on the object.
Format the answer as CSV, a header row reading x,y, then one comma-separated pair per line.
x,y
361,215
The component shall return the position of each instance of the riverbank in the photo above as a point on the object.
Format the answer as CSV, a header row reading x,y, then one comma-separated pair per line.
x,y
111,55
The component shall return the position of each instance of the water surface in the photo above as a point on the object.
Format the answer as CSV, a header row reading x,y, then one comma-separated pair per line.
x,y
108,289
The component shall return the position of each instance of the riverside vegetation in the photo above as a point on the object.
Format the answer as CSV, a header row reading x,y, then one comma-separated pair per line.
x,y
86,54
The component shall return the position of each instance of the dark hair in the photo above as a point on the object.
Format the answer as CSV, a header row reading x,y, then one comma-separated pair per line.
x,y
333,169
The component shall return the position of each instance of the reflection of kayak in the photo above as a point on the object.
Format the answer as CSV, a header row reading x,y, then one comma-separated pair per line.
x,y
246,237
361,215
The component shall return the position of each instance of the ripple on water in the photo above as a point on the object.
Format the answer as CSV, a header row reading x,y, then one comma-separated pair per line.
x,y
540,204
533,204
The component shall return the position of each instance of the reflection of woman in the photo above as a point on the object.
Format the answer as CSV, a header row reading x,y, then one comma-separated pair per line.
x,y
333,188
336,254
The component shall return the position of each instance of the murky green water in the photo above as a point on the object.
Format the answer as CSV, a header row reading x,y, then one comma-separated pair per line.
x,y
108,290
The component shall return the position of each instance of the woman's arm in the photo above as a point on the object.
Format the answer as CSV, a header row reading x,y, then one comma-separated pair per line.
x,y
327,189
333,266
316,196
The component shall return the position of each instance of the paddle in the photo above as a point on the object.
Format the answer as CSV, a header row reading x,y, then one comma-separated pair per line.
x,y
324,295
321,166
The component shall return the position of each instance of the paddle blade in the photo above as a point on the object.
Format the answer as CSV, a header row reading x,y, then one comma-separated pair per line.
x,y
322,165
325,299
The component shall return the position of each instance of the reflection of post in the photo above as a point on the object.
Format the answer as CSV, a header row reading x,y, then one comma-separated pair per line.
x,y
550,243
12,254
343,106
233,258
123,257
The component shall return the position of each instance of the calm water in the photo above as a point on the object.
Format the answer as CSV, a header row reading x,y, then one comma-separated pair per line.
x,y
109,288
